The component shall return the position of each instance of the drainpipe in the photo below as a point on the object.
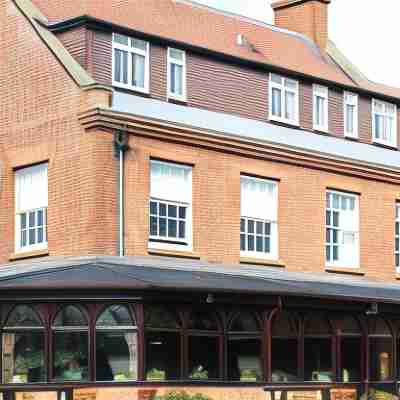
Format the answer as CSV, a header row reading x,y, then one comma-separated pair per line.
x,y
121,146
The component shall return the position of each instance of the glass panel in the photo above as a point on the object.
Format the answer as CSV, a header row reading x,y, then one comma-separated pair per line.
x,y
318,359
378,326
203,357
176,54
276,102
203,321
71,356
172,211
116,315
153,226
284,360
138,70
276,79
351,359
23,316
153,208
245,322
290,106
139,44
160,317
172,228
380,353
182,229
116,356
317,325
121,39
162,356
70,316
176,79
23,358
244,360
348,325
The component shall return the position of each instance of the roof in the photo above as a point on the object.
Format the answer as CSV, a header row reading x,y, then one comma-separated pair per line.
x,y
256,131
173,274
188,22
37,20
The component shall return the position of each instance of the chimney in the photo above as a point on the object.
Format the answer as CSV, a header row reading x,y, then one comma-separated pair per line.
x,y
309,17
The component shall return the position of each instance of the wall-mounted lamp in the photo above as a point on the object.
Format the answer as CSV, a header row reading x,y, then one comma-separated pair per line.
x,y
372,309
210,298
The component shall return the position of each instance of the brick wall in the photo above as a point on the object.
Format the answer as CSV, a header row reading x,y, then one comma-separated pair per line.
x,y
39,122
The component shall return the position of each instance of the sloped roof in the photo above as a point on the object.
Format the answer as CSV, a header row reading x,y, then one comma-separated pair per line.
x,y
173,274
197,25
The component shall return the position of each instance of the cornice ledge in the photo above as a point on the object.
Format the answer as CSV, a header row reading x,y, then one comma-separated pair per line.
x,y
100,118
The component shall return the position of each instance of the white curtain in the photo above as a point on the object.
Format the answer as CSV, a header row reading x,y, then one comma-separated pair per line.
x,y
259,199
171,182
31,188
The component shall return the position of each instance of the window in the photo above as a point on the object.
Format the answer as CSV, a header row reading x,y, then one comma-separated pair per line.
x,y
318,361
350,115
131,63
285,350
384,123
342,229
397,236
116,345
176,74
23,347
70,345
284,99
245,349
170,205
258,223
380,350
162,344
31,201
320,108
204,341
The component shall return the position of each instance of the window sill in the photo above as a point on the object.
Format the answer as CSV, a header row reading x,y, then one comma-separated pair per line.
x,y
262,261
173,253
29,254
322,131
345,270
290,124
385,145
182,102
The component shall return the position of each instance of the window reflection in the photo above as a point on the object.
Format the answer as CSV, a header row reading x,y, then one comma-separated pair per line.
x,y
70,362
23,347
116,345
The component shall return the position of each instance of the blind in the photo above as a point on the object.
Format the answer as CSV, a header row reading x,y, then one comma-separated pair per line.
x,y
259,199
31,188
171,182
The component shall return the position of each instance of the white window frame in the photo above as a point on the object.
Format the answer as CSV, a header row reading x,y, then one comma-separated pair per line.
x,y
340,263
132,50
350,99
170,61
283,89
18,248
323,92
397,237
163,243
273,255
393,143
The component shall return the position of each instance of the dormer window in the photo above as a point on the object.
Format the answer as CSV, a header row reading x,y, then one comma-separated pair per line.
x,y
320,94
384,124
176,74
131,65
284,99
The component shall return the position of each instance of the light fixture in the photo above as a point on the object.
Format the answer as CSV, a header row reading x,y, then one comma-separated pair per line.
x,y
210,298
373,309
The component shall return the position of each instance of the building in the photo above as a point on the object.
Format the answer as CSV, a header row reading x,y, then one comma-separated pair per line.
x,y
194,200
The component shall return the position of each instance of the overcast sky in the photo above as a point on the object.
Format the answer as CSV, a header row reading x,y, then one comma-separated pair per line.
x,y
367,31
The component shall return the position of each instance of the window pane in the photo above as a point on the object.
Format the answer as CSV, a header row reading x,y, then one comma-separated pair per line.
x,y
290,106
245,322
276,102
318,359
153,208
160,317
182,230
176,79
259,244
23,221
351,359
40,238
284,360
71,356
153,226
115,316
139,44
23,316
243,242
32,236
182,212
203,321
163,227
162,356
350,118
23,238
117,65
250,243
116,356
176,54
203,357
172,211
23,357
250,226
121,39
380,362
172,228
259,228
138,70
244,360
163,209
70,316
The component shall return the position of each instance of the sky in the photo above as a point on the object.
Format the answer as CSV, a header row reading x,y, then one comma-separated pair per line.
x,y
368,36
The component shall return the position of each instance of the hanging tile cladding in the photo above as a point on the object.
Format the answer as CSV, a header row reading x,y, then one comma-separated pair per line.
x,y
214,85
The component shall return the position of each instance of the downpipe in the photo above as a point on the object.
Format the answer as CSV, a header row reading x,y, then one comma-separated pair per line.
x,y
121,147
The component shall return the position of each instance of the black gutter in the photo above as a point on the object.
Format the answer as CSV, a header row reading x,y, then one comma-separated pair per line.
x,y
99,24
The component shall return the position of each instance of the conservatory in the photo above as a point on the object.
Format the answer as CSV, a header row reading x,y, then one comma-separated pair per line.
x,y
111,328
